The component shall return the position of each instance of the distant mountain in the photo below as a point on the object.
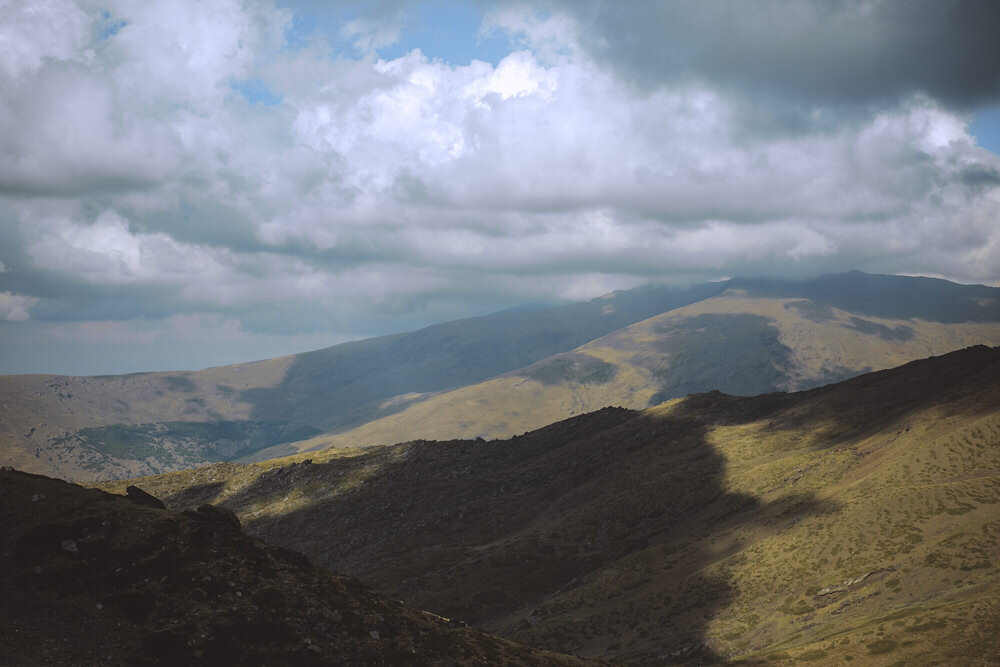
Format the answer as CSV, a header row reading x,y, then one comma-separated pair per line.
x,y
493,376
117,426
853,522
754,337
94,579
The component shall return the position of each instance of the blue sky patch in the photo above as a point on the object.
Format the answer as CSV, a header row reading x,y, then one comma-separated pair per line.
x,y
256,91
986,128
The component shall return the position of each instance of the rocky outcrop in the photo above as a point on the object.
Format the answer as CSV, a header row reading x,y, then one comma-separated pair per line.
x,y
93,578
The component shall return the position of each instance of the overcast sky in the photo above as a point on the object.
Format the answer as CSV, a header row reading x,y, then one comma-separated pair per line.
x,y
191,183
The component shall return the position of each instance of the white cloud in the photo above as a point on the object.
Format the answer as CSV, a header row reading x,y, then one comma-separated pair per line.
x,y
369,35
14,307
411,185
33,32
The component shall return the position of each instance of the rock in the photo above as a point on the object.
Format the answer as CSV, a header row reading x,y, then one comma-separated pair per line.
x,y
221,514
844,585
140,497
69,546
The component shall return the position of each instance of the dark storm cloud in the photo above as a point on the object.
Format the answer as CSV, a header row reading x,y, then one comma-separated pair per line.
x,y
834,52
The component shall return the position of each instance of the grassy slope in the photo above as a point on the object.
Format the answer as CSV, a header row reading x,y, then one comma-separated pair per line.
x,y
855,522
734,342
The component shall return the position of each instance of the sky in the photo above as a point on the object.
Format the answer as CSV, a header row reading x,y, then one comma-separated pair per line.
x,y
186,184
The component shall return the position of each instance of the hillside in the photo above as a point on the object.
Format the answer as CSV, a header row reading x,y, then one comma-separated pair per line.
x,y
857,521
494,376
115,426
94,579
747,340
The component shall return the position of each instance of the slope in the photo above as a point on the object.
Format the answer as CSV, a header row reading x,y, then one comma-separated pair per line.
x,y
90,578
857,521
746,340
116,426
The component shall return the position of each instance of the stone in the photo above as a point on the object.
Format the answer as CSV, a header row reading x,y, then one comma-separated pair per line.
x,y
140,497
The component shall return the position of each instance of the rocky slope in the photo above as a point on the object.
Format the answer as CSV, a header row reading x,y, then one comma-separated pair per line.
x,y
90,578
857,521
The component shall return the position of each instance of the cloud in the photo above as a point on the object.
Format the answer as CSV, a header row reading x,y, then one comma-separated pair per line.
x,y
140,184
14,307
369,36
855,52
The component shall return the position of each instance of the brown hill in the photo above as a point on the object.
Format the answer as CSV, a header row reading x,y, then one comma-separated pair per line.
x,y
857,521
94,579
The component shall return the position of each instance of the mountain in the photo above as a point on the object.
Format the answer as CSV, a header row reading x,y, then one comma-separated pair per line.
x,y
493,376
853,522
115,426
754,337
95,579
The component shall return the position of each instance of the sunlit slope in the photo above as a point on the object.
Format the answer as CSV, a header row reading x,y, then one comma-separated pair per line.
x,y
736,342
100,427
857,522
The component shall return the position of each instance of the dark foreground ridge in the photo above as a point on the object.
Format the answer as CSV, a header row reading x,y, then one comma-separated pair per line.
x,y
91,578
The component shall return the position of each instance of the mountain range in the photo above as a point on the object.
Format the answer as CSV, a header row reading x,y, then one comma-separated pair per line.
x,y
493,376
750,471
